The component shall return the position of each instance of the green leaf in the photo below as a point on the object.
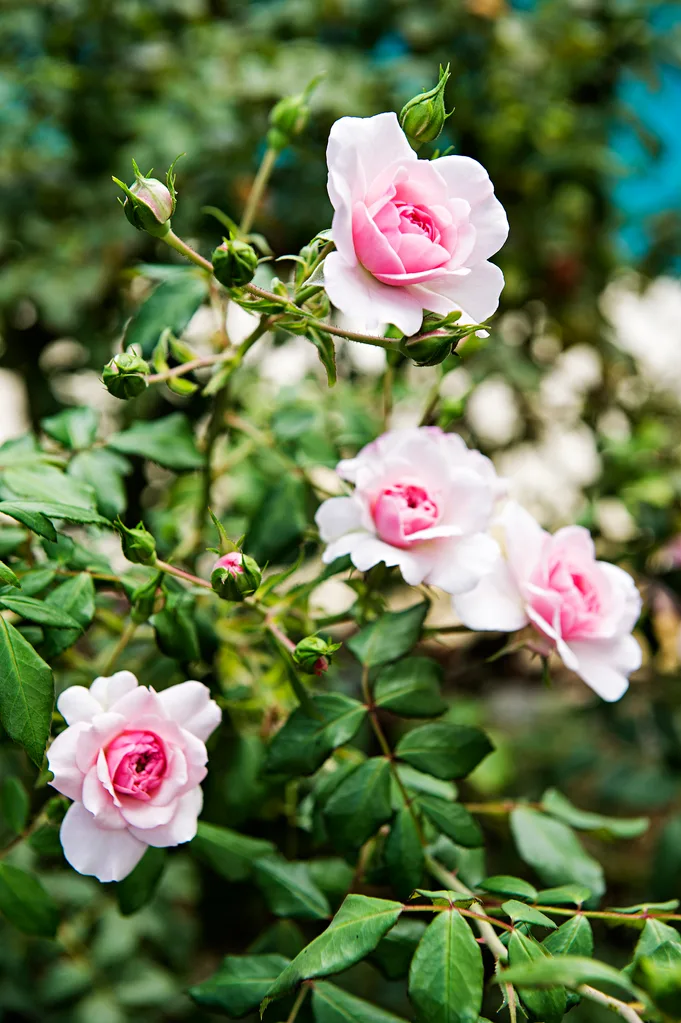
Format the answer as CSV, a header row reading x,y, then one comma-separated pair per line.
x,y
14,803
425,784
504,884
7,576
525,956
44,484
443,749
444,897
34,515
278,526
103,470
360,804
26,693
554,850
394,953
39,611
326,352
138,888
77,597
170,306
654,934
404,854
446,976
305,742
555,803
574,937
331,1004
290,891
239,985
390,636
453,820
356,930
411,688
36,580
538,969
168,441
520,913
564,893
643,907
660,976
75,428
229,853
33,520
25,903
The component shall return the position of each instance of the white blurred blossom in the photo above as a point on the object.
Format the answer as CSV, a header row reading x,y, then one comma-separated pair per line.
x,y
648,326
614,520
492,411
14,418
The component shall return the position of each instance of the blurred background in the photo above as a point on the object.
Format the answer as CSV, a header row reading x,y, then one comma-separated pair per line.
x,y
573,107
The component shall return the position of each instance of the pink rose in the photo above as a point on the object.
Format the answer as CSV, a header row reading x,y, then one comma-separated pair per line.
x,y
421,501
410,234
133,760
583,608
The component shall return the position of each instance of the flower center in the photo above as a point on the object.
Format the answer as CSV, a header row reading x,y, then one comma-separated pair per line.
x,y
137,763
569,596
417,220
401,510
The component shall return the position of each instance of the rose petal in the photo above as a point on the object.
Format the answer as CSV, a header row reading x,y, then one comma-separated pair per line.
x,y
495,605
190,705
182,827
105,854
357,294
62,761
107,689
78,704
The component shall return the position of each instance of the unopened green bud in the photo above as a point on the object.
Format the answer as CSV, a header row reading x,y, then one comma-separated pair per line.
x,y
429,349
288,119
312,654
149,203
235,263
423,117
125,376
235,576
138,544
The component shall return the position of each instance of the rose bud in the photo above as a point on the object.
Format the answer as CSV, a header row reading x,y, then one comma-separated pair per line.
x,y
312,654
138,544
429,349
234,263
423,117
150,203
235,576
125,376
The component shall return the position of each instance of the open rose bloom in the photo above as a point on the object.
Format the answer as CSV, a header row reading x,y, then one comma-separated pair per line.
x,y
422,501
133,761
410,234
582,607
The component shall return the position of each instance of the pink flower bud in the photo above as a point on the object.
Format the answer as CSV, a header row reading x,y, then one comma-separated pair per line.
x,y
233,562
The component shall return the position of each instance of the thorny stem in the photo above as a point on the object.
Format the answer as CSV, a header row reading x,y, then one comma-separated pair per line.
x,y
186,367
614,1004
388,378
257,189
187,251
280,636
163,566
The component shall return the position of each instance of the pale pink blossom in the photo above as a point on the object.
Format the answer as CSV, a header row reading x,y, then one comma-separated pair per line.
x,y
133,761
233,562
422,501
583,608
410,234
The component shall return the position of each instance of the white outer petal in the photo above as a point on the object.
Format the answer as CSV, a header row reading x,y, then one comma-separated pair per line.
x,y
108,689
524,539
362,298
476,293
605,665
61,759
460,564
190,705
338,516
465,178
182,827
101,852
78,704
495,605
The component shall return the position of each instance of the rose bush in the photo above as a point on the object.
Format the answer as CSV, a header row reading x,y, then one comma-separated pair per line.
x,y
354,799
133,761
